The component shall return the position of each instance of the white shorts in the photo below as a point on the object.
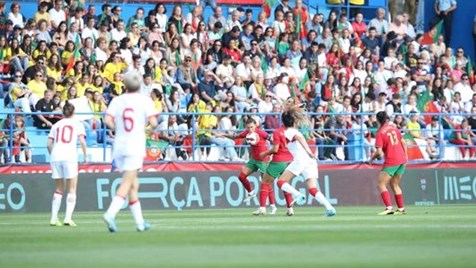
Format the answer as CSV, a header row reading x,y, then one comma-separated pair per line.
x,y
128,163
64,169
307,169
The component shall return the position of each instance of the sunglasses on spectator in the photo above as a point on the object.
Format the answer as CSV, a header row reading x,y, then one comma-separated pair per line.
x,y
39,75
269,96
254,44
188,60
41,62
18,76
460,51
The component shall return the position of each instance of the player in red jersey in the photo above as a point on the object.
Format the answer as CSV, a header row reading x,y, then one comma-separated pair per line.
x,y
389,142
256,162
281,159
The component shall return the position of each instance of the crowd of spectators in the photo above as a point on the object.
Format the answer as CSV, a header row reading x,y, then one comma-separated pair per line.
x,y
192,64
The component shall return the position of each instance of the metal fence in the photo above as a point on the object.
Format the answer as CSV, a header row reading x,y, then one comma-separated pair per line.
x,y
354,144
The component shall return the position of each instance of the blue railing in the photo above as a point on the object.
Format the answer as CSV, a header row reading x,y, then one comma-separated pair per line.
x,y
357,147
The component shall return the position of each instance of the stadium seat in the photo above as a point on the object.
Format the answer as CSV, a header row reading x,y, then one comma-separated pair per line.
x,y
38,140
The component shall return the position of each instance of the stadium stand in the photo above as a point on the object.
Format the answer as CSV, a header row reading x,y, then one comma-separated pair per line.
x,y
207,71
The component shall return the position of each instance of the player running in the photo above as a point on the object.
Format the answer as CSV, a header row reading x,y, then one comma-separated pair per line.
x,y
255,163
281,158
61,145
304,162
389,142
128,115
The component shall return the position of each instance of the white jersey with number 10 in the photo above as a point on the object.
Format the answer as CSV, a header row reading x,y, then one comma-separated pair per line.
x,y
131,112
65,135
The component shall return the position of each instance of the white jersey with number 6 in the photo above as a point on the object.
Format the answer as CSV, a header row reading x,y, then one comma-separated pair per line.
x,y
131,112
65,135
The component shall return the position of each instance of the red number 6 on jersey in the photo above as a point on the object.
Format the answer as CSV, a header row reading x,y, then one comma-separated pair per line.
x,y
128,119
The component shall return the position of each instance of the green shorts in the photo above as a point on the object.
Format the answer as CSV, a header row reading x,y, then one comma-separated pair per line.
x,y
256,165
275,169
395,170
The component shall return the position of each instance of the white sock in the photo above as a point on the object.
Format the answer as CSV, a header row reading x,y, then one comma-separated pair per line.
x,y
288,188
136,211
70,204
322,200
55,206
115,206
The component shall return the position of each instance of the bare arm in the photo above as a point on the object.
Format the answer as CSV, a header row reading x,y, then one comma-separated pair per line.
x,y
377,154
300,138
109,121
82,141
270,151
49,145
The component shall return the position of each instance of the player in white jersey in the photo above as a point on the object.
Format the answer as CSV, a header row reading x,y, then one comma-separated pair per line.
x,y
62,145
304,162
128,115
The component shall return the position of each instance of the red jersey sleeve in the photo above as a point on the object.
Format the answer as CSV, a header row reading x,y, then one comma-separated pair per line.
x,y
262,134
243,134
379,139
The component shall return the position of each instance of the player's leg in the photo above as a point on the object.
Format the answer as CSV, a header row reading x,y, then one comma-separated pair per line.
x,y
398,193
135,206
311,174
247,170
71,175
291,171
71,185
383,179
58,195
264,192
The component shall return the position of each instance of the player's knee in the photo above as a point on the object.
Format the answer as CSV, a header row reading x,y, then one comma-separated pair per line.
x,y
313,191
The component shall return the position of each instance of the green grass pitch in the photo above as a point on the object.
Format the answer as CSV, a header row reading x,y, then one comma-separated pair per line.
x,y
439,236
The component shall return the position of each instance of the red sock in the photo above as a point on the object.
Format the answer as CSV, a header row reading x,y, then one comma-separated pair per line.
x,y
280,183
386,199
246,183
289,198
272,199
399,200
313,191
263,194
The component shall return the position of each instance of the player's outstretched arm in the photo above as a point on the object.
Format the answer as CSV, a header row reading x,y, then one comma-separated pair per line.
x,y
49,145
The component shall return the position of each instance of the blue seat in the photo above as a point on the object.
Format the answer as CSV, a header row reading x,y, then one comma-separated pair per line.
x,y
38,141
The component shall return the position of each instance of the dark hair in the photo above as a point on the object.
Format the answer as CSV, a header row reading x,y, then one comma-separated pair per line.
x,y
68,109
250,121
382,117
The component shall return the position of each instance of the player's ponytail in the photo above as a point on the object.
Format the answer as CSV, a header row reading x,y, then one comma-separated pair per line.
x,y
382,117
68,109
294,116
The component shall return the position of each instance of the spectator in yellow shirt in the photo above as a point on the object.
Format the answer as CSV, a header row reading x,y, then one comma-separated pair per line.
x,y
114,65
37,86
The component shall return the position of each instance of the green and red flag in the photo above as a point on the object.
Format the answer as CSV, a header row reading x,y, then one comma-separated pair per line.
x,y
304,81
75,56
470,71
268,6
426,105
155,148
413,150
432,35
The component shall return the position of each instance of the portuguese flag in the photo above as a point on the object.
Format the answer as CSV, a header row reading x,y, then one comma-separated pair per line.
x,y
425,105
470,71
413,150
432,35
268,6
304,81
73,59
154,149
